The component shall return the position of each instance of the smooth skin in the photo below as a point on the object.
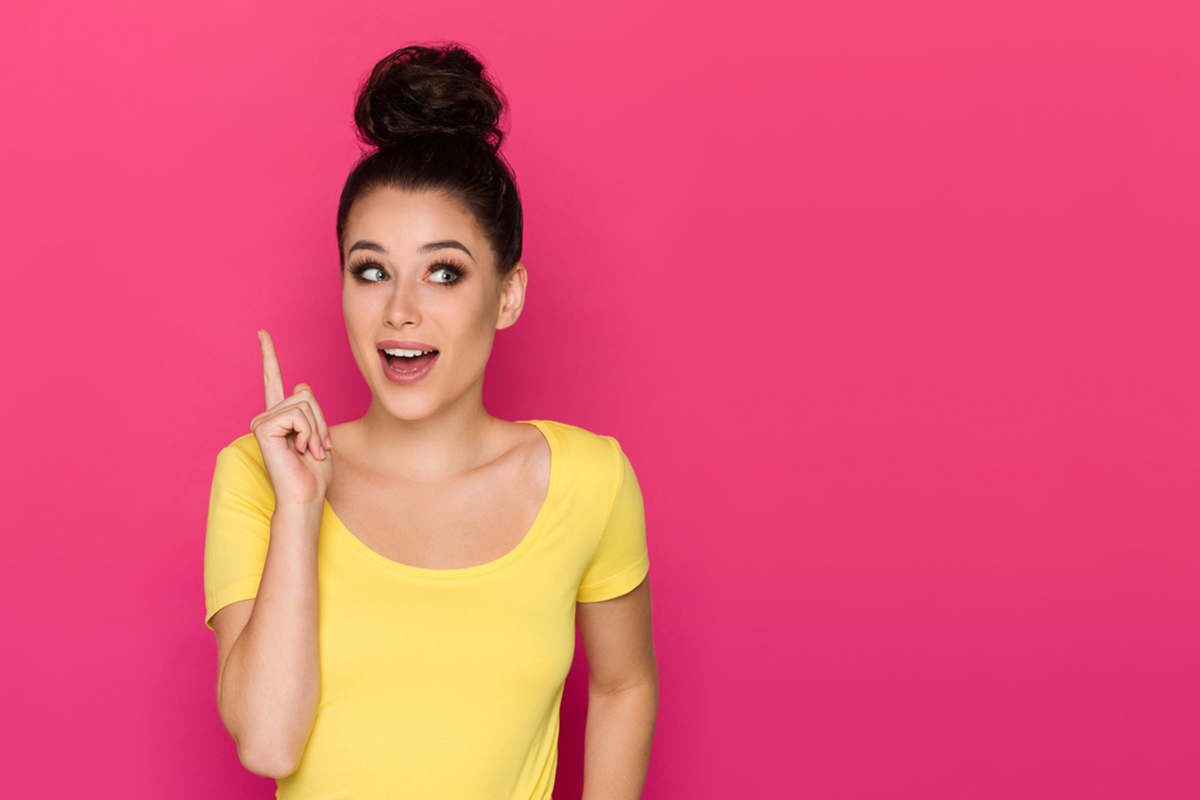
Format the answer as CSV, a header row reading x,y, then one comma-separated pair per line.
x,y
469,484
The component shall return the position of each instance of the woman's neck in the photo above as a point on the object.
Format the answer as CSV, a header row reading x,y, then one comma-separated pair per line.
x,y
457,438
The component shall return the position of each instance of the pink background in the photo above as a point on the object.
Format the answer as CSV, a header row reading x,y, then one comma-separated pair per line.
x,y
893,306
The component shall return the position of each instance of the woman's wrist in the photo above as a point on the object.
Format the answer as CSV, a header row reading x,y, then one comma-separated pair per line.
x,y
299,511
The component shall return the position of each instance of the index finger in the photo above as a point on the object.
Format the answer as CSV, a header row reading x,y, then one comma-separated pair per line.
x,y
272,377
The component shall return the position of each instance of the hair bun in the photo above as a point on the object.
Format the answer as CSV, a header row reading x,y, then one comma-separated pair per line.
x,y
422,90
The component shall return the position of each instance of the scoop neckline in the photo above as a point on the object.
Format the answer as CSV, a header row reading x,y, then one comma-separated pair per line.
x,y
479,569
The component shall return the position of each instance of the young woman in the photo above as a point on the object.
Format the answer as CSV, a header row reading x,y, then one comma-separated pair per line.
x,y
395,598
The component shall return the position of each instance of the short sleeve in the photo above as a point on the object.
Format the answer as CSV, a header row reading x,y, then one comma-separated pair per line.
x,y
239,528
621,559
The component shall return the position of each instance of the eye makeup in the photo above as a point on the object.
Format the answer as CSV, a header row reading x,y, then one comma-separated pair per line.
x,y
456,272
368,264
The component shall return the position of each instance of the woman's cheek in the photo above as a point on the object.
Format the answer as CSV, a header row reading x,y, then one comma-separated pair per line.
x,y
357,313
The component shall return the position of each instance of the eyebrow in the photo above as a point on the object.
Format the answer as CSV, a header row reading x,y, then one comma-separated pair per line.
x,y
425,248
363,245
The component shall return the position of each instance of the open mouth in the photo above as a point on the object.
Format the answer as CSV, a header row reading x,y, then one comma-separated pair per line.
x,y
408,360
406,366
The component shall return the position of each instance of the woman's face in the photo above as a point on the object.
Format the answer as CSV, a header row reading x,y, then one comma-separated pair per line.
x,y
419,276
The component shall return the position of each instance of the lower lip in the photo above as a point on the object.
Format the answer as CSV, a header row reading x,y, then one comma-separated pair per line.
x,y
396,376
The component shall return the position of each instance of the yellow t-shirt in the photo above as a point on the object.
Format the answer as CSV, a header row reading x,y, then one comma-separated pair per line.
x,y
441,684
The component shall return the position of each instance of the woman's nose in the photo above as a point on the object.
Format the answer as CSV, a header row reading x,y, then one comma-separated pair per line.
x,y
403,308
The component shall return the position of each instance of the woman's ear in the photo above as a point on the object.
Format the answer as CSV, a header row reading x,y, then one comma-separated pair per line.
x,y
512,296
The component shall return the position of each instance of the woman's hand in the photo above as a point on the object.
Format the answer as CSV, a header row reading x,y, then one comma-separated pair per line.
x,y
293,437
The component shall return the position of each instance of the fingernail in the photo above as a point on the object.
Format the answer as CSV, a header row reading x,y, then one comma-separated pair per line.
x,y
329,442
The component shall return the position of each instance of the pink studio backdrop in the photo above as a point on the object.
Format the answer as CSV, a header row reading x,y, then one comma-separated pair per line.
x,y
893,306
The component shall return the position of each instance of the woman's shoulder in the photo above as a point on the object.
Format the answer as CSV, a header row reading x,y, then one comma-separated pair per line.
x,y
240,470
592,467
580,445
242,460
245,446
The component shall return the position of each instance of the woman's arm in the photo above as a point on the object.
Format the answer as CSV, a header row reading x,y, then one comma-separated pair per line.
x,y
622,694
268,660
268,672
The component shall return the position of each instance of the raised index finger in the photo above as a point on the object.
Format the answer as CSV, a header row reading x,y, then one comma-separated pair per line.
x,y
272,377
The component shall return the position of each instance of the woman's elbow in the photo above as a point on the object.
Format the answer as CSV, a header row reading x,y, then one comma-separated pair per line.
x,y
268,762
261,752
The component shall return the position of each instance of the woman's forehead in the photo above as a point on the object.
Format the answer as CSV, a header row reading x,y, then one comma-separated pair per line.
x,y
406,217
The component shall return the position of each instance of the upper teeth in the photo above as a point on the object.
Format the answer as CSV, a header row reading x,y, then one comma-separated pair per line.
x,y
406,353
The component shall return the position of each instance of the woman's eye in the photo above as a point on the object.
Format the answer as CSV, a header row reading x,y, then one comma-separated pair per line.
x,y
443,275
372,274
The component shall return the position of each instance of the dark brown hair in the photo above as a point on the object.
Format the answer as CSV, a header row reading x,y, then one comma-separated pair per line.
x,y
433,119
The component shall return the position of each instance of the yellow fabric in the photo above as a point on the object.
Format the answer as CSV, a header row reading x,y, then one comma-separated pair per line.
x,y
442,684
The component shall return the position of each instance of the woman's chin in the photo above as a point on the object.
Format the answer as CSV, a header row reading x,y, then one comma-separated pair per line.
x,y
409,409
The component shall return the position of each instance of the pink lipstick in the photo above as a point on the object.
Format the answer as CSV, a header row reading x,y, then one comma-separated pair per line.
x,y
406,367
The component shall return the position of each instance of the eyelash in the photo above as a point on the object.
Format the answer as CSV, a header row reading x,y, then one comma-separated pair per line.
x,y
369,263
